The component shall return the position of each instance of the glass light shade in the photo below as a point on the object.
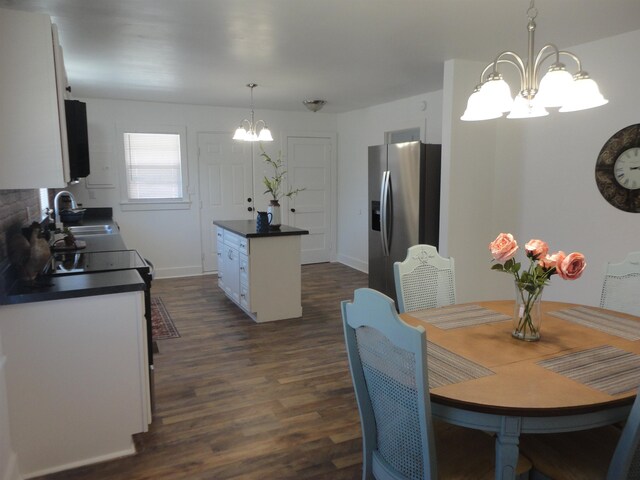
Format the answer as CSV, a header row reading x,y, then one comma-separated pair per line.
x,y
554,87
522,108
584,94
251,136
241,134
496,92
477,109
265,135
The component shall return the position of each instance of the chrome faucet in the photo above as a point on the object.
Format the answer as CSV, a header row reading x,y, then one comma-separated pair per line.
x,y
57,208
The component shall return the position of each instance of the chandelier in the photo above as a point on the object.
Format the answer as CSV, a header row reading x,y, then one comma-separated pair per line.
x,y
492,98
251,131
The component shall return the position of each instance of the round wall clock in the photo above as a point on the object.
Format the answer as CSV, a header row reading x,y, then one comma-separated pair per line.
x,y
618,169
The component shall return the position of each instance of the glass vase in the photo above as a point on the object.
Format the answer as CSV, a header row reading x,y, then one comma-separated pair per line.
x,y
527,316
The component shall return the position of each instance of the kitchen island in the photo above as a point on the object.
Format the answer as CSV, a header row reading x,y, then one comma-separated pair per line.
x,y
260,271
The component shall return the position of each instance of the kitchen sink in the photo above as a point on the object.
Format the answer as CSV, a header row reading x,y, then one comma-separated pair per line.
x,y
80,230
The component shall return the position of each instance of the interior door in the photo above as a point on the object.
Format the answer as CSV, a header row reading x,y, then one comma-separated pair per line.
x,y
225,174
309,162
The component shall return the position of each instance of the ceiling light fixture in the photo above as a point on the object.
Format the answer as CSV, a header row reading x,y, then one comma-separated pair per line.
x,y
250,131
557,88
314,105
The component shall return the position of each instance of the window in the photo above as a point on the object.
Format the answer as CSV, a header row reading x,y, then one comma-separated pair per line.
x,y
401,136
154,172
44,201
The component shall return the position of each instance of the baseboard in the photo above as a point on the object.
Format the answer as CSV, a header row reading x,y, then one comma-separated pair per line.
x,y
11,470
178,272
354,263
87,461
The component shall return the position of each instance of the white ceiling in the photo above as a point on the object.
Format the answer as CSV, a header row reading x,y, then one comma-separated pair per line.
x,y
352,53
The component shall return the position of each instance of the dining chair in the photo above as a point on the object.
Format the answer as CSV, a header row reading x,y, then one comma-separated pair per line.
x,y
600,453
424,279
400,439
622,285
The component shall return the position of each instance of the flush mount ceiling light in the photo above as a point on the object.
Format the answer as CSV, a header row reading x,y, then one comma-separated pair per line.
x,y
314,105
250,131
557,88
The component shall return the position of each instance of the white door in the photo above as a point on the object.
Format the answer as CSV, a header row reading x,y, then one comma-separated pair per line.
x,y
309,162
225,176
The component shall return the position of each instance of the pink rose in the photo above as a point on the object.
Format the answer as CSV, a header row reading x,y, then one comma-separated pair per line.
x,y
550,261
503,247
536,249
571,266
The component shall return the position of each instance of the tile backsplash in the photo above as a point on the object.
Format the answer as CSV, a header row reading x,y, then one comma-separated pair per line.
x,y
15,208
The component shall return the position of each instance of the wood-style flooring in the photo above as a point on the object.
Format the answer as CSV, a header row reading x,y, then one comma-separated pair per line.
x,y
240,400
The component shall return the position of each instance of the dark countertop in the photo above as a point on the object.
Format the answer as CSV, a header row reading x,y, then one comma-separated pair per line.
x,y
247,229
58,287
74,286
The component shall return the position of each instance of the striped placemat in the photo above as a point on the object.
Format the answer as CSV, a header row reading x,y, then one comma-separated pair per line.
x,y
459,316
599,320
604,368
447,368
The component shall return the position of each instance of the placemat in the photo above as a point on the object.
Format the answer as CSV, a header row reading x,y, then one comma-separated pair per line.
x,y
605,322
447,368
604,368
459,316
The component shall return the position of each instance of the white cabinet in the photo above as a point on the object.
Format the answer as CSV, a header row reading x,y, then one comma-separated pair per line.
x,y
77,379
261,274
33,139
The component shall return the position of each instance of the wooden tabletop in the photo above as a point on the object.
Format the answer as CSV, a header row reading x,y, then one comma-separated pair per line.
x,y
520,386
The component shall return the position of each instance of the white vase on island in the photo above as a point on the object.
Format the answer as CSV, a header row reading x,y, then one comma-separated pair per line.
x,y
274,210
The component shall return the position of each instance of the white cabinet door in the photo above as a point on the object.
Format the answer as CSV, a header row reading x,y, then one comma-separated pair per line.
x,y
231,272
30,130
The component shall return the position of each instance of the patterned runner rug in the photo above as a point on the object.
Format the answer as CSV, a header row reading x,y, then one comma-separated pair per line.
x,y
162,324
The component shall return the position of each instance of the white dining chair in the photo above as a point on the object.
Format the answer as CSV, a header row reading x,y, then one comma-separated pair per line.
x,y
388,363
600,453
424,279
621,286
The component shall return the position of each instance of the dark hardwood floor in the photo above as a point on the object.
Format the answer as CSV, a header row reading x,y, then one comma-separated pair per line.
x,y
240,400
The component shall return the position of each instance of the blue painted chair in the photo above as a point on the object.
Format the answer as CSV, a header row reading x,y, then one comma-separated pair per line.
x,y
388,363
424,279
599,453
621,285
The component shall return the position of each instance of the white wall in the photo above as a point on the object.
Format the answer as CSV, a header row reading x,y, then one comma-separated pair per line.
x,y
8,458
171,238
559,201
357,130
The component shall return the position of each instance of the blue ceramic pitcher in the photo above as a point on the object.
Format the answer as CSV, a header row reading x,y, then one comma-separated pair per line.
x,y
263,221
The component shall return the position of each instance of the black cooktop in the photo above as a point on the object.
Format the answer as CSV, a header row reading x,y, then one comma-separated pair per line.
x,y
86,262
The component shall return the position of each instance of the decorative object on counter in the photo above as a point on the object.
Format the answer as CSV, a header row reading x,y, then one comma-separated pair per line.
x,y
74,215
68,242
275,187
162,325
530,283
251,131
263,220
557,88
29,257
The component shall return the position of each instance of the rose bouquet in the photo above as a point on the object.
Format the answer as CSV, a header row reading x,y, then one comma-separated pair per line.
x,y
530,282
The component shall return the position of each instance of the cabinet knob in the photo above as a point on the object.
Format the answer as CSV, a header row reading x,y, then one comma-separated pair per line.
x,y
293,210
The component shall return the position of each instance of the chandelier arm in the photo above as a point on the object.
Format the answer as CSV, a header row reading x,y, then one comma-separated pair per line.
x,y
260,123
516,62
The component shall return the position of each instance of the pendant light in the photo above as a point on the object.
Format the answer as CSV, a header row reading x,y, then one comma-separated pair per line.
x,y
251,131
557,88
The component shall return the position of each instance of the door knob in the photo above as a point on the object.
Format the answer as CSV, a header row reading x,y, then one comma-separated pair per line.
x,y
250,209
249,199
293,210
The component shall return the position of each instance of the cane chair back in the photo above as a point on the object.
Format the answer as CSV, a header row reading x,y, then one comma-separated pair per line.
x,y
621,286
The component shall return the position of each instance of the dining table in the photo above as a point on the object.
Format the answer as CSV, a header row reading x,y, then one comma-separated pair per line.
x,y
582,373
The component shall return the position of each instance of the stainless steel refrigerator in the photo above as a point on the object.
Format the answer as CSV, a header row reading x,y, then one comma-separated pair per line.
x,y
404,206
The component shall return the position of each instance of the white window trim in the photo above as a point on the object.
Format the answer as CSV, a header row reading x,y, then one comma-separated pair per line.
x,y
127,204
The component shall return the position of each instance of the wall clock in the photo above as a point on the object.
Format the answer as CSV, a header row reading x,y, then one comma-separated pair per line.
x,y
618,169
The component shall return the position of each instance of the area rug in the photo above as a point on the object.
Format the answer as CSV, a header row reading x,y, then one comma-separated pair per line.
x,y
162,325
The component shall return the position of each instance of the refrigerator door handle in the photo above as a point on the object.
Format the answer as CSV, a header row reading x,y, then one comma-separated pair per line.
x,y
384,197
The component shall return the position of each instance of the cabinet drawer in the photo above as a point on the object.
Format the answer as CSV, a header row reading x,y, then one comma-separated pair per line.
x,y
236,241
